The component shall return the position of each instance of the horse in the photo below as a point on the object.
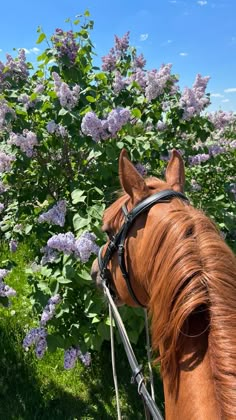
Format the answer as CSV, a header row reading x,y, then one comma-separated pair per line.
x,y
184,273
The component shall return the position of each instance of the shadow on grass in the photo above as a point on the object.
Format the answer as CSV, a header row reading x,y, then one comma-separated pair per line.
x,y
24,394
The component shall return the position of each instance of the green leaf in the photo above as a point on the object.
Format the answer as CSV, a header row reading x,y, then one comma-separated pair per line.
x,y
77,196
63,280
136,113
80,222
28,228
40,39
90,98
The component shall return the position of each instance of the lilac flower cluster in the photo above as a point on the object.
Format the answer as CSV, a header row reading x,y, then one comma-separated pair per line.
x,y
198,159
50,255
68,98
56,215
5,290
65,45
82,247
138,76
72,354
85,246
118,83
64,242
141,169
195,186
13,245
5,112
39,88
121,46
161,126
5,162
102,129
37,337
14,69
193,101
50,309
25,141
216,149
58,129
156,81
27,102
221,119
139,62
116,119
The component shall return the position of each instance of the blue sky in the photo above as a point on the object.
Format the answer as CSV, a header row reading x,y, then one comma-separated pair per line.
x,y
196,36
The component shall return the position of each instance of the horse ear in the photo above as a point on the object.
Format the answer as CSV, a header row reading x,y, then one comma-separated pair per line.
x,y
175,174
131,181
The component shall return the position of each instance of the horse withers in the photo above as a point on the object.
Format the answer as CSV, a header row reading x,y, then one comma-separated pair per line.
x,y
179,267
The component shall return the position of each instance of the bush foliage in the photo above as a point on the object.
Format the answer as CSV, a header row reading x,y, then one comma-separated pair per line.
x,y
62,127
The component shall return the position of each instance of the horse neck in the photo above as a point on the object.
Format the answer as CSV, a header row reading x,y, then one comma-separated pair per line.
x,y
193,397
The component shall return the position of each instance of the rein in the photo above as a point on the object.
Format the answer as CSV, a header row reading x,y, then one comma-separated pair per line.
x,y
117,243
137,375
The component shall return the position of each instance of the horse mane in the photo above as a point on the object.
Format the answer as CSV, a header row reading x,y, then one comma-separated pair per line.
x,y
190,267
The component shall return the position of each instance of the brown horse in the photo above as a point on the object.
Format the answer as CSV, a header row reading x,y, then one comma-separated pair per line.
x,y
183,272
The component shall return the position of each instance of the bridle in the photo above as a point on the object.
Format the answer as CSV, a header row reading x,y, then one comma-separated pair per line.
x,y
117,243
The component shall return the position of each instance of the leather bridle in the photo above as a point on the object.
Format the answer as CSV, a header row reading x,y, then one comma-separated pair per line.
x,y
117,243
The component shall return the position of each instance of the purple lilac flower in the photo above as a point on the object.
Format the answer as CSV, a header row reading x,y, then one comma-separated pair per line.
x,y
6,291
49,309
195,186
3,187
50,255
193,101
119,83
65,45
25,141
138,76
51,127
70,358
141,169
56,215
139,61
13,245
64,242
39,88
157,81
3,273
161,126
84,358
94,127
14,69
5,162
215,150
68,97
122,44
85,246
109,61
26,101
40,347
37,337
198,159
116,119
5,111
221,119
1,207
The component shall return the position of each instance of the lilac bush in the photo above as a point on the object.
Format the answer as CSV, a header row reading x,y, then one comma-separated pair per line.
x,y
62,127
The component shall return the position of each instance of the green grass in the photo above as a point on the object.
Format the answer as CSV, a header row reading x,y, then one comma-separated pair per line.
x,y
31,389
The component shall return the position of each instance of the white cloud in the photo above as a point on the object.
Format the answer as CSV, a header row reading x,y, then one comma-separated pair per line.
x,y
216,95
34,50
0,49
230,90
183,54
225,100
202,2
173,1
143,37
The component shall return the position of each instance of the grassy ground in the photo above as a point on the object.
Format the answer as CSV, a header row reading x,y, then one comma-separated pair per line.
x,y
33,390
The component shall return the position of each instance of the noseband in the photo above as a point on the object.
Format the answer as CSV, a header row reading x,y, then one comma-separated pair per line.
x,y
118,240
